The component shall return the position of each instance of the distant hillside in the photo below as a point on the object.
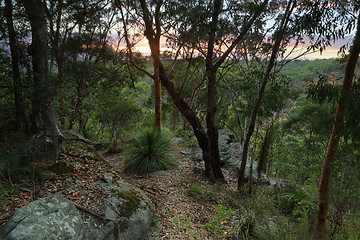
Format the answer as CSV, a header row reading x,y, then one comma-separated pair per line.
x,y
300,70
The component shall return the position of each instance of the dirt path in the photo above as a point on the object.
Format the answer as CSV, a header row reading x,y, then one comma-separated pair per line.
x,y
182,216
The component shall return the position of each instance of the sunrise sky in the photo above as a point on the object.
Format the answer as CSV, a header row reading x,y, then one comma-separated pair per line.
x,y
330,52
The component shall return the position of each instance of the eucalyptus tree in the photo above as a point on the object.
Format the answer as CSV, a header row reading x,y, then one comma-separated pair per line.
x,y
20,117
205,26
312,20
337,131
45,143
86,26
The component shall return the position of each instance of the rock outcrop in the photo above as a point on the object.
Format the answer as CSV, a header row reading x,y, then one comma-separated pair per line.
x,y
131,215
52,217
128,212
230,156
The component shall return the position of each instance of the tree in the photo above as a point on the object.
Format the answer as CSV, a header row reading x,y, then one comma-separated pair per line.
x,y
152,22
334,141
18,98
313,20
68,20
275,50
46,138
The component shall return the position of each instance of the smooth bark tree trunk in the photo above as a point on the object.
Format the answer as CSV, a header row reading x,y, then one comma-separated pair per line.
x,y
58,51
264,153
157,95
200,134
61,99
44,145
275,50
80,98
211,70
208,140
18,99
324,184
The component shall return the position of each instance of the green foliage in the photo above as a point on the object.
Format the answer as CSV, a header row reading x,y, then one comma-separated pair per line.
x,y
10,168
294,201
300,70
328,90
6,94
188,137
245,223
151,151
118,111
304,136
186,224
194,190
219,225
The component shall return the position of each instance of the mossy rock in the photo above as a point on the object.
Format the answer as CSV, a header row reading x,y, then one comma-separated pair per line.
x,y
132,201
132,215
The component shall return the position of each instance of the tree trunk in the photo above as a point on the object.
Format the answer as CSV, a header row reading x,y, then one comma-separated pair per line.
x,y
61,99
208,141
212,130
58,53
274,53
324,184
264,153
44,145
80,98
157,94
18,99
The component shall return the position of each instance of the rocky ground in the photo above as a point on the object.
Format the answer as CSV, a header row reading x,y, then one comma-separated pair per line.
x,y
168,190
177,207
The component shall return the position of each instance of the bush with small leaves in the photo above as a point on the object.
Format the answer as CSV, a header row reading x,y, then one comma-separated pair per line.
x,y
151,151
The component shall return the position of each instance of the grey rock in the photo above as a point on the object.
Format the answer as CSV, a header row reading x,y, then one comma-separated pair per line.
x,y
223,143
109,177
177,140
224,138
186,151
164,173
132,215
197,157
255,177
234,147
280,182
53,217
232,161
224,157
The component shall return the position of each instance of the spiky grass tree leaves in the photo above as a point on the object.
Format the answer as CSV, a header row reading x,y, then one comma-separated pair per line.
x,y
151,151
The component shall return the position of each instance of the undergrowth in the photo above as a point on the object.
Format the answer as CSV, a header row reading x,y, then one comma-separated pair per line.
x,y
151,151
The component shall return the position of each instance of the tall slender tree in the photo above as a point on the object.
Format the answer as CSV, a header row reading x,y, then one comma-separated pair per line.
x,y
207,139
334,141
14,49
44,145
282,28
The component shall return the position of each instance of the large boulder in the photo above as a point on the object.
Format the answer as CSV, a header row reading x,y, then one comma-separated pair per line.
x,y
128,212
50,218
132,215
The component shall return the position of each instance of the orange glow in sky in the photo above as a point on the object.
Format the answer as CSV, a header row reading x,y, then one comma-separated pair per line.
x,y
330,52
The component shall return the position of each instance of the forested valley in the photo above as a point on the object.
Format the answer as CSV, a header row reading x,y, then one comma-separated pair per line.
x,y
167,119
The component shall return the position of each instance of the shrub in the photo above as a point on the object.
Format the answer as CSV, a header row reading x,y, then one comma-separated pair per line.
x,y
294,201
151,151
246,222
220,225
195,190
